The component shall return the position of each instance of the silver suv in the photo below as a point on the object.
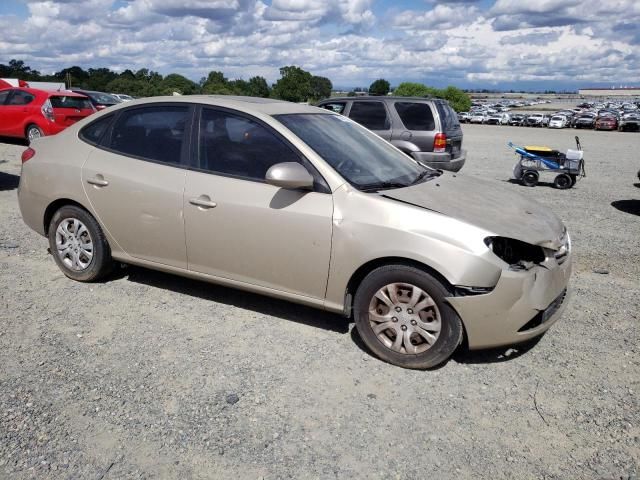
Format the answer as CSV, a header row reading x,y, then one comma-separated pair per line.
x,y
426,129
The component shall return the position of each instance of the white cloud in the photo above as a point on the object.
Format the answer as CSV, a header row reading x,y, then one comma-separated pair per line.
x,y
456,41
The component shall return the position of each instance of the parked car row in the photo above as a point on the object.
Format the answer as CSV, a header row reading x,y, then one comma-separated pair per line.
x,y
602,120
31,113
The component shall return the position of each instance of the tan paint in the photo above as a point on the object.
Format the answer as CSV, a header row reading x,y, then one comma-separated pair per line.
x,y
296,245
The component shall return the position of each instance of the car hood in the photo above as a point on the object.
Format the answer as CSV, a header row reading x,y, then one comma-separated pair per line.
x,y
485,205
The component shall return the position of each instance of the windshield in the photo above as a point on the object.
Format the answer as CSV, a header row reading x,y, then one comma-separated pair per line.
x,y
103,98
364,159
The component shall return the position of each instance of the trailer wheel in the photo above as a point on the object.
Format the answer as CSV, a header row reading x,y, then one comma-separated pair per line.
x,y
562,181
530,178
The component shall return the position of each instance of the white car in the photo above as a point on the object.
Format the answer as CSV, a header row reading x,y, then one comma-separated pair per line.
x,y
122,97
478,118
558,121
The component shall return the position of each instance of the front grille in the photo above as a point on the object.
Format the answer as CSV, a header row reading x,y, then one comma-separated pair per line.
x,y
544,315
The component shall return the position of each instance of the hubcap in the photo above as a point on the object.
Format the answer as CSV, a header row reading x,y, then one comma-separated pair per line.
x,y
34,133
405,318
74,245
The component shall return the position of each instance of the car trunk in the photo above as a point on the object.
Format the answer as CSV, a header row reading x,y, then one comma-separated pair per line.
x,y
451,128
67,110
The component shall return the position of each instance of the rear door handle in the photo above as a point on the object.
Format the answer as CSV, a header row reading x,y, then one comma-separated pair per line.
x,y
98,181
203,201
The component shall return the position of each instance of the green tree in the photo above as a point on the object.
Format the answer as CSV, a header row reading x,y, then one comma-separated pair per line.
x,y
258,87
216,84
320,88
379,87
73,76
99,78
294,85
459,100
239,87
411,89
20,70
177,83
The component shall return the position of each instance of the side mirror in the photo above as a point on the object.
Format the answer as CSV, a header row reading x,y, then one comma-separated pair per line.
x,y
289,175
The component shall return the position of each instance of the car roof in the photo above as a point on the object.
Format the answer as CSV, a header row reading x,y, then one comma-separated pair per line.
x,y
268,106
66,93
384,97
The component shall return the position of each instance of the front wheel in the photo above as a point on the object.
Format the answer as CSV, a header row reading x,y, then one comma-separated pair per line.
x,y
563,181
403,318
78,245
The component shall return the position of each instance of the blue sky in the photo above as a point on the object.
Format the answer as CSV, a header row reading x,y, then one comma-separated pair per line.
x,y
543,44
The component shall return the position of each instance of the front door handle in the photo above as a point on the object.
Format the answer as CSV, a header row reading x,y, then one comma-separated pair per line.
x,y
98,181
203,201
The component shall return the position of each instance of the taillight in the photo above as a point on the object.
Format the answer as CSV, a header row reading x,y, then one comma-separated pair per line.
x,y
28,154
47,110
439,143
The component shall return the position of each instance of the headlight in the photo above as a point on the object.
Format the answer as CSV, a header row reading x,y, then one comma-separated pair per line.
x,y
519,255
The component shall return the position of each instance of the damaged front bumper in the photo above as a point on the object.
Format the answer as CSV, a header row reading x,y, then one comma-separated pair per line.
x,y
523,305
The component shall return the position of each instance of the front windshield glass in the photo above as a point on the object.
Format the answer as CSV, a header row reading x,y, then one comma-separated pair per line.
x,y
364,159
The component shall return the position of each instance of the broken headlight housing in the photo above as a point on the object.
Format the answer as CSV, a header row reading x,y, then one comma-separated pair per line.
x,y
519,255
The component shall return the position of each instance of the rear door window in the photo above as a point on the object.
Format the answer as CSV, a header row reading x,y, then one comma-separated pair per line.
x,y
153,133
3,96
64,101
20,97
372,115
416,116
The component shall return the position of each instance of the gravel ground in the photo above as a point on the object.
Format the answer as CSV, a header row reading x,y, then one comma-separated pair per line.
x,y
153,376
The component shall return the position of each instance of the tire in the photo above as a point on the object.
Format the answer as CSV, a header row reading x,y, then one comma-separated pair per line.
x,y
574,179
427,347
32,132
530,178
70,231
562,181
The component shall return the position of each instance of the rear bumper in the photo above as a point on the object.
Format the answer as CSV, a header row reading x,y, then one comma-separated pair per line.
x,y
441,160
523,305
52,128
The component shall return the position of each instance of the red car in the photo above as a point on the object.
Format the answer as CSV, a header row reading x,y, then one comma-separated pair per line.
x,y
606,123
31,113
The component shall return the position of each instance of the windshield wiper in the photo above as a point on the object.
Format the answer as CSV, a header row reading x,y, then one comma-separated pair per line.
x,y
374,187
426,173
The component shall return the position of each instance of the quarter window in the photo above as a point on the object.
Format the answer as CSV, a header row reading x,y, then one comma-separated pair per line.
x,y
94,132
337,107
415,116
153,133
372,115
234,145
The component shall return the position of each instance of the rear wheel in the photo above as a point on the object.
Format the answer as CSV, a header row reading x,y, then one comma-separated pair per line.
x,y
78,245
530,178
33,132
402,317
563,181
